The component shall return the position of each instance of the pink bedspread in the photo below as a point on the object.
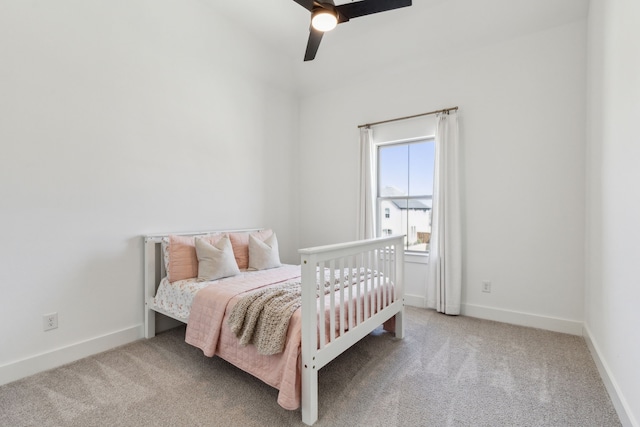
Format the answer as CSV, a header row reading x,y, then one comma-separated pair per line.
x,y
207,330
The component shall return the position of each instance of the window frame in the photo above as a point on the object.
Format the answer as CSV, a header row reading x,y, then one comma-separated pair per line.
x,y
379,199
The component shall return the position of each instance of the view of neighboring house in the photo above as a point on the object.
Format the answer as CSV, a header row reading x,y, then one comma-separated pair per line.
x,y
408,216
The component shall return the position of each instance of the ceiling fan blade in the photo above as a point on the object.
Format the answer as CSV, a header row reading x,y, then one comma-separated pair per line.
x,y
368,7
315,37
307,4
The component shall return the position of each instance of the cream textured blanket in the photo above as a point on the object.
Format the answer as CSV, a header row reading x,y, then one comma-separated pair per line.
x,y
262,317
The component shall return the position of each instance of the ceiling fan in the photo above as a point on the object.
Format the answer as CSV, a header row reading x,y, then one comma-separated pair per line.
x,y
325,15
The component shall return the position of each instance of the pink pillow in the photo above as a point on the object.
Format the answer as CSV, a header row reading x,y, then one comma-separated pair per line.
x,y
240,243
183,261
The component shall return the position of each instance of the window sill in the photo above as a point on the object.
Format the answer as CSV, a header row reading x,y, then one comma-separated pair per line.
x,y
416,258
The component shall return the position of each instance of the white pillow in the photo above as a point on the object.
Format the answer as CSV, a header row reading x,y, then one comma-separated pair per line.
x,y
216,261
263,254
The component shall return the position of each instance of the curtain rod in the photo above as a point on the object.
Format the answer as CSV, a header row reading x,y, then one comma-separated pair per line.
x,y
409,117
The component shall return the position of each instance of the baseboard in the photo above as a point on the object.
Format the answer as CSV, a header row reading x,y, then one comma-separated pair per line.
x,y
523,319
618,400
61,356
415,301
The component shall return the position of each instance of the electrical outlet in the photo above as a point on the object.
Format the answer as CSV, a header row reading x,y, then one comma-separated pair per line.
x,y
486,286
50,321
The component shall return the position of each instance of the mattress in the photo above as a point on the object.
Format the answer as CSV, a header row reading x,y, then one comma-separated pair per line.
x,y
177,298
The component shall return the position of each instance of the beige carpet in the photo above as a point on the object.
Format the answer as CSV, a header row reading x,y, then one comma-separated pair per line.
x,y
448,371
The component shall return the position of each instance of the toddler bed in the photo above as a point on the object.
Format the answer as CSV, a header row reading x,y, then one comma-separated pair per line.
x,y
338,295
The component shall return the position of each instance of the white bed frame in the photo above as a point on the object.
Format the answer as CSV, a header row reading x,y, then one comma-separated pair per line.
x,y
384,255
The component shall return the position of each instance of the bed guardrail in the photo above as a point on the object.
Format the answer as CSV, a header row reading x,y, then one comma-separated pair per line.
x,y
354,311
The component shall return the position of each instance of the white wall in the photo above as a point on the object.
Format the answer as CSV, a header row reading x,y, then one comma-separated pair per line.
x,y
613,200
522,115
119,119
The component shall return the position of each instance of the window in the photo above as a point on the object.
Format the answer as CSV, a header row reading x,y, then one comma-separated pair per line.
x,y
405,190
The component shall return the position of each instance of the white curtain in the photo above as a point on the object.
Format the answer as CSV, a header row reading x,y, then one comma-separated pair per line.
x,y
444,281
367,204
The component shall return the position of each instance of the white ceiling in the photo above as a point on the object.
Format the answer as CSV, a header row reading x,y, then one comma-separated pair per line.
x,y
428,27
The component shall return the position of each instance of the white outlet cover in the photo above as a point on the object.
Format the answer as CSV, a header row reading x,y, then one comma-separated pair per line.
x,y
50,321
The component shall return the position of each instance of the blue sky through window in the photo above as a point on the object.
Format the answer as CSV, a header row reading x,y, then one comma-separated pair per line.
x,y
407,167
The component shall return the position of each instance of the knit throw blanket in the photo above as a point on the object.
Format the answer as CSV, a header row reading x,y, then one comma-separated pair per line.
x,y
262,317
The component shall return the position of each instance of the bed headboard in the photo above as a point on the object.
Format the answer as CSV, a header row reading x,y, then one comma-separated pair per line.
x,y
154,269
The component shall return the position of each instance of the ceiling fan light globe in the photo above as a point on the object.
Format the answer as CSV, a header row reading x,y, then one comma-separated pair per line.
x,y
324,20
